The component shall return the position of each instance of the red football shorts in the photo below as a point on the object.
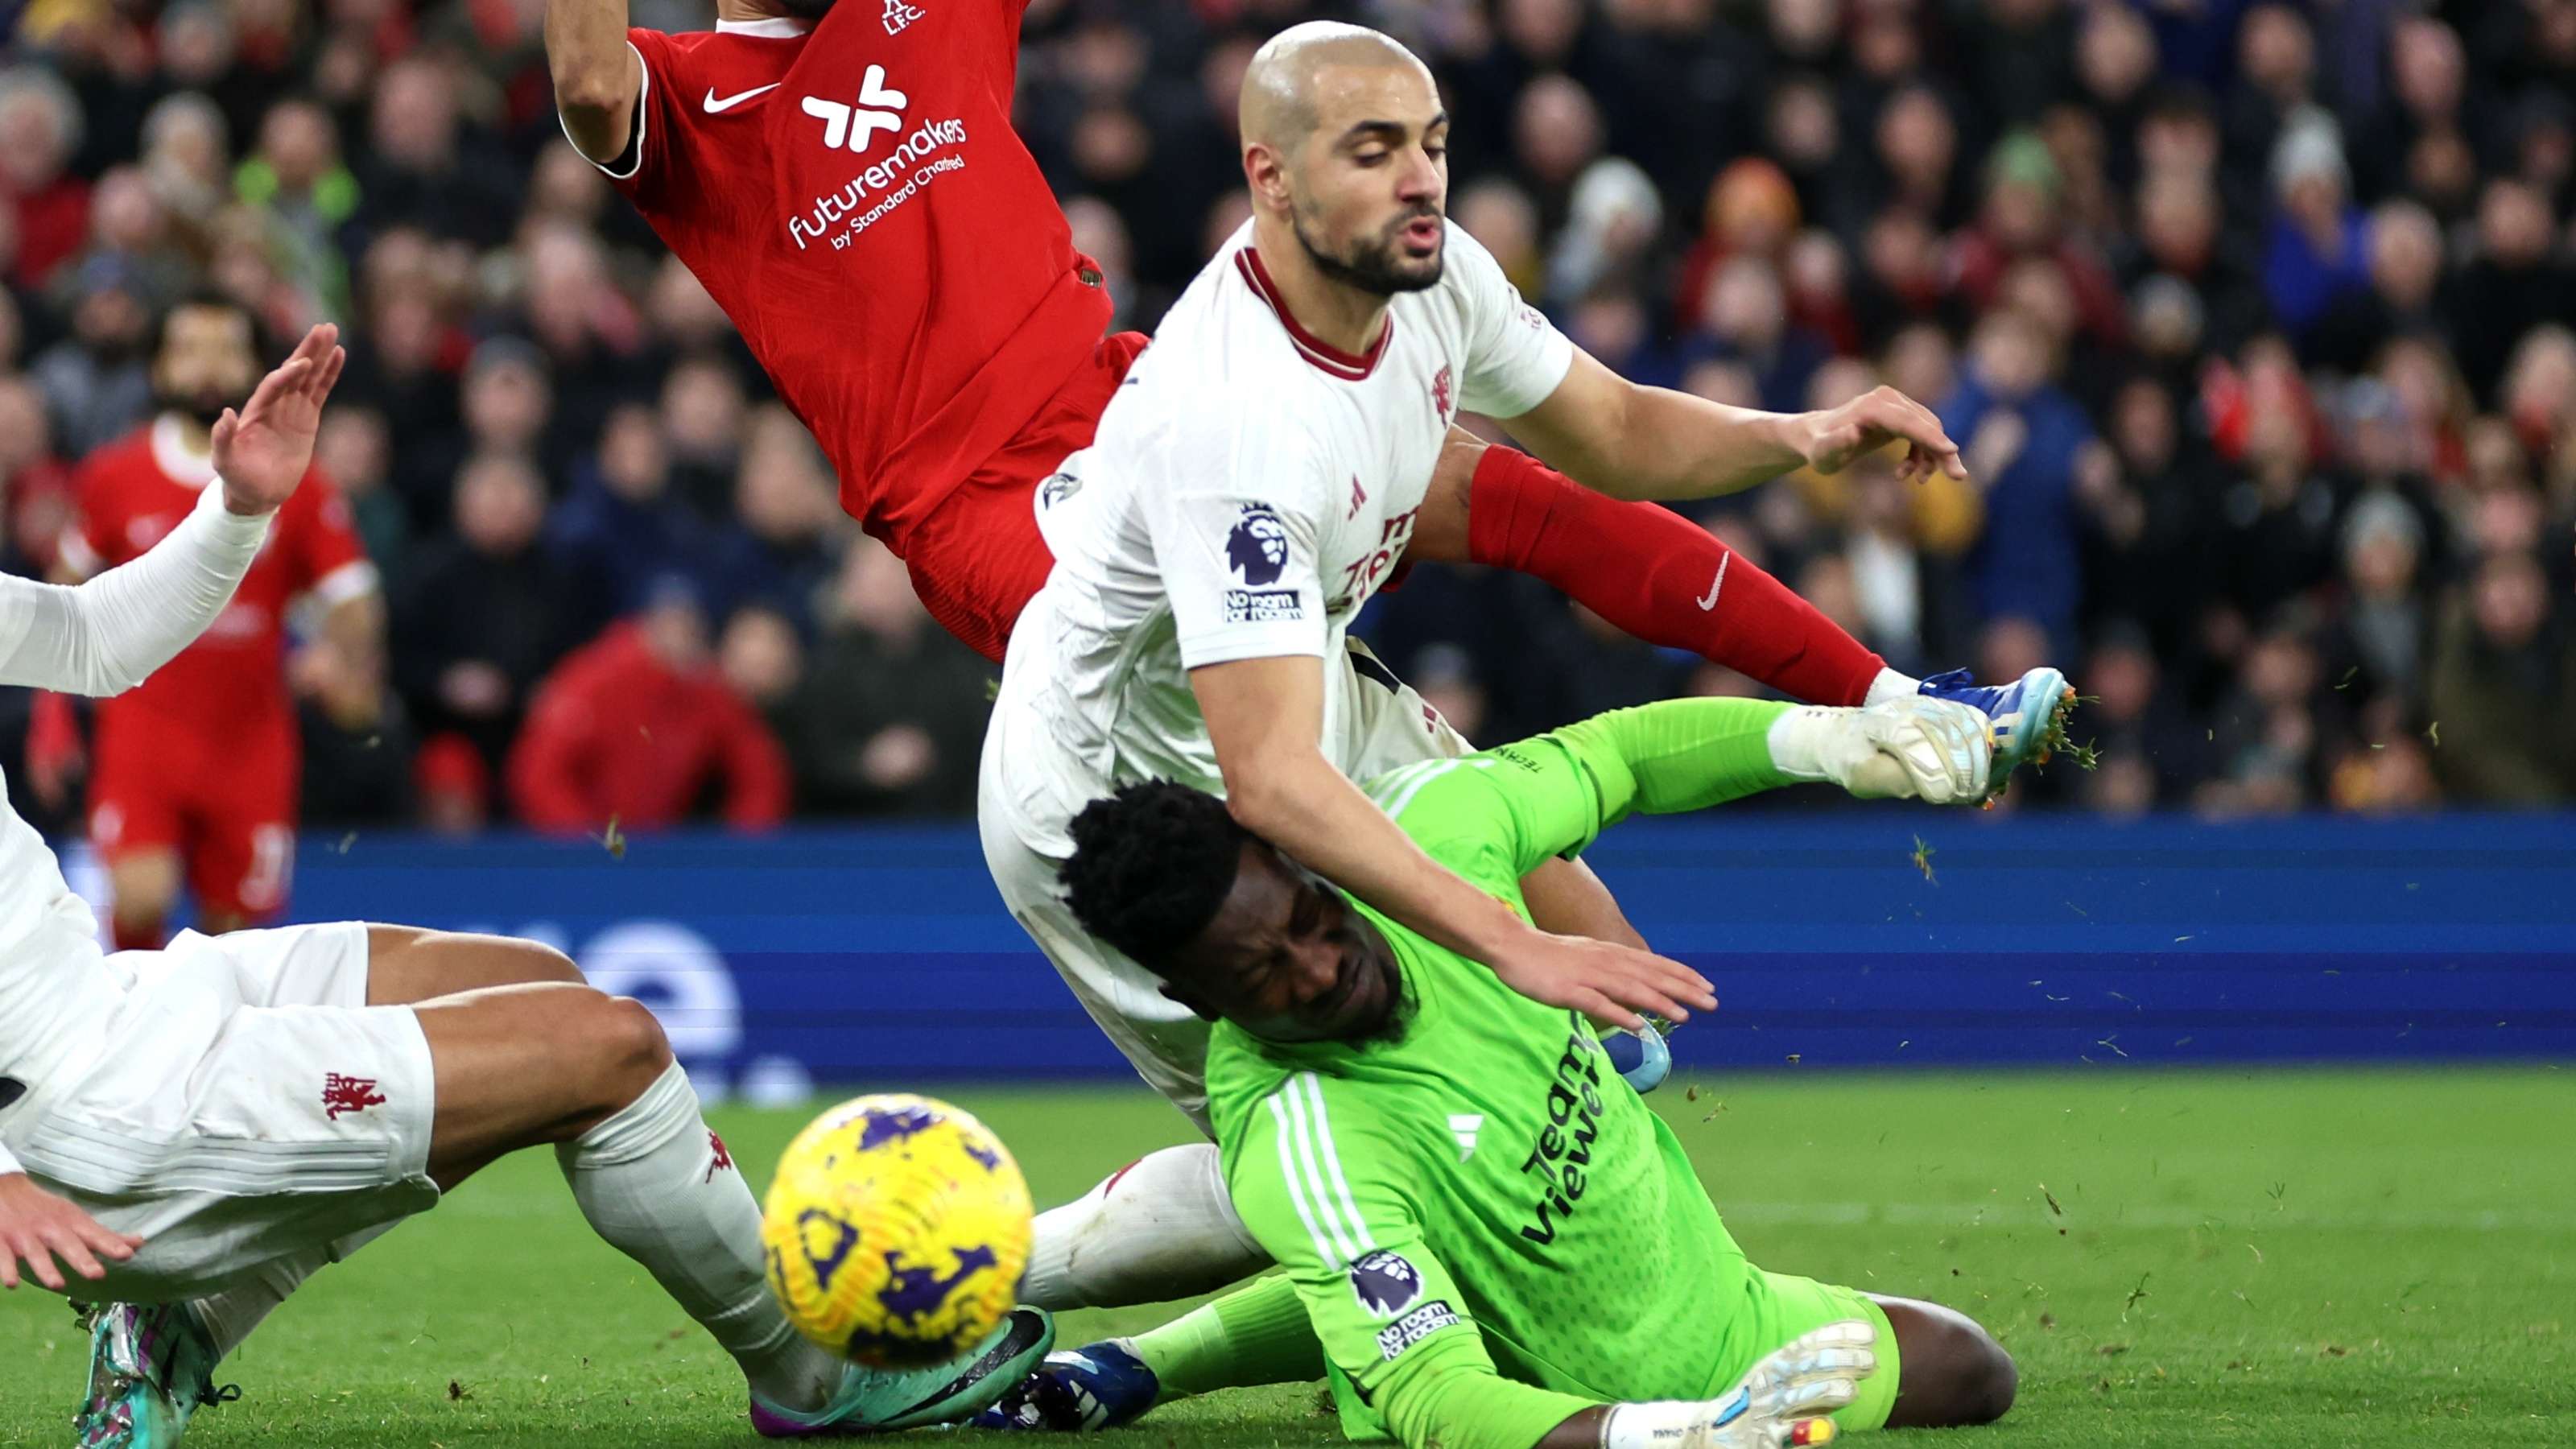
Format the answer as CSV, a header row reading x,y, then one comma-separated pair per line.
x,y
225,802
978,558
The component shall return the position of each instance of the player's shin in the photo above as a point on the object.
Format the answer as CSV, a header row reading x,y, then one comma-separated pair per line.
x,y
1160,1228
1661,578
1258,1334
230,1316
659,1186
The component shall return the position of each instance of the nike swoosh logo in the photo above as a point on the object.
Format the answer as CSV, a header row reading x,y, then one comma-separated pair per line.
x,y
1711,601
729,102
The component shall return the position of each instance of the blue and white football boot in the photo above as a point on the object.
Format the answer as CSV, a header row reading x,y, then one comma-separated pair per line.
x,y
1097,1386
151,1368
874,1401
2029,715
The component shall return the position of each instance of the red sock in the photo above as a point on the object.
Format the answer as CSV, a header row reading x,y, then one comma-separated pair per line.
x,y
1661,578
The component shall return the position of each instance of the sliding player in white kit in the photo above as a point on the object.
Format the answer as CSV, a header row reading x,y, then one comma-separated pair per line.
x,y
201,1128
1255,480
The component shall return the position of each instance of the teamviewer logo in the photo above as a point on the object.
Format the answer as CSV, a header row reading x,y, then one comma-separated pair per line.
x,y
878,109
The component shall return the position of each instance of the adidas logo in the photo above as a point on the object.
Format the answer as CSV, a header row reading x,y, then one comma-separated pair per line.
x,y
1464,1126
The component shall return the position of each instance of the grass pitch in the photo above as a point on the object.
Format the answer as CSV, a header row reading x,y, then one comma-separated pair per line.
x,y
2276,1258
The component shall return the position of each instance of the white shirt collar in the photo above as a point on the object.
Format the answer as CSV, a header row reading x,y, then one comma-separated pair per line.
x,y
770,27
183,464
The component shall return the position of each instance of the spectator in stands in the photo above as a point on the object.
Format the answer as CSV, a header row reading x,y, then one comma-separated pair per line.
x,y
35,487
484,612
889,718
2021,437
2504,681
778,552
2309,272
2315,253
355,451
40,130
95,383
635,728
619,525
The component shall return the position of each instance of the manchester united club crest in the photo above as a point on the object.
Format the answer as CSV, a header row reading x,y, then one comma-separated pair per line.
x,y
343,1095
1444,398
720,1158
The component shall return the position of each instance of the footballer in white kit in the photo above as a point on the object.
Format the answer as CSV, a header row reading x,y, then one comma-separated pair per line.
x,y
1259,476
197,1130
1251,487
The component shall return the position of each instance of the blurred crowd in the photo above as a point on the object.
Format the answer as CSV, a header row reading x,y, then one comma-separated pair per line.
x,y
2257,323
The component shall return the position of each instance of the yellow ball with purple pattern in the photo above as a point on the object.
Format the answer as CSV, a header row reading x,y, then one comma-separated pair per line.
x,y
896,1231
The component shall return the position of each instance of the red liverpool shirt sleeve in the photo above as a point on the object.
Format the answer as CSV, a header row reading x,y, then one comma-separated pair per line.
x,y
637,170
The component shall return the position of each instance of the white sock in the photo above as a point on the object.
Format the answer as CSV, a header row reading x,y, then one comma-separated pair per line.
x,y
1891,685
230,1316
1160,1228
651,1184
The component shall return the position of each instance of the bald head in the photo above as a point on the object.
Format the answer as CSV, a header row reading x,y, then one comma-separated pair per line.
x,y
1280,106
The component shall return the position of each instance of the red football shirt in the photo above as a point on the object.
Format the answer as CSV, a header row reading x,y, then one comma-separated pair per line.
x,y
136,489
854,197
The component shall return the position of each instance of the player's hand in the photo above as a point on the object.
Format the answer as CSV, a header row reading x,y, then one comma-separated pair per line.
x,y
1934,750
36,1227
1832,439
1776,1403
262,452
1611,984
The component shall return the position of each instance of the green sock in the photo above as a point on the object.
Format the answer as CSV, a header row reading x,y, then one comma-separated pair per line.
x,y
1254,1335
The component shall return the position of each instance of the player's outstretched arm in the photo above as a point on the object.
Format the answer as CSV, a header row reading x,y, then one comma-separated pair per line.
x,y
1264,717
1634,442
597,74
37,1227
107,635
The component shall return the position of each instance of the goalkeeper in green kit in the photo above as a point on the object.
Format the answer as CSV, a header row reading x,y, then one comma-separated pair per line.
x,y
1489,1241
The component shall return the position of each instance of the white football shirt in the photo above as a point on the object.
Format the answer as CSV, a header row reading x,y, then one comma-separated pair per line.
x,y
1250,487
98,639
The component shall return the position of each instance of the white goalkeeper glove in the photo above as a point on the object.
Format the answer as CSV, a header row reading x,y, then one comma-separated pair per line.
x,y
1915,748
1777,1405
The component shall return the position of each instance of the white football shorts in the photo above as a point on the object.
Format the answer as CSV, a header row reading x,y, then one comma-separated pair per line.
x,y
246,1104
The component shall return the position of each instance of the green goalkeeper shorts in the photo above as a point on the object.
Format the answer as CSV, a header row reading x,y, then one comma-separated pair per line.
x,y
1777,1308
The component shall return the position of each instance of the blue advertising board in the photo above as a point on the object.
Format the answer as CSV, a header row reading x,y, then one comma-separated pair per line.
x,y
882,955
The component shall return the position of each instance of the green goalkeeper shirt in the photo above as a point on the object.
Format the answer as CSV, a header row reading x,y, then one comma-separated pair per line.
x,y
1489,1230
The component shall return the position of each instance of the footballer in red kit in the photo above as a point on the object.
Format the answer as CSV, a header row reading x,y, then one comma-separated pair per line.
x,y
851,192
194,773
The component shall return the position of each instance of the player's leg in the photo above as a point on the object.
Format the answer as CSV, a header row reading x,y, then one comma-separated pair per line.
x,y
242,857
1952,1373
1257,1334
593,1075
1661,578
1164,1226
1936,1367
407,964
1648,570
134,824
142,889
402,965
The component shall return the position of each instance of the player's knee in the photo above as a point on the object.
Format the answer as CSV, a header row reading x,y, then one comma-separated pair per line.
x,y
1980,1378
1990,1380
1953,1372
629,1046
